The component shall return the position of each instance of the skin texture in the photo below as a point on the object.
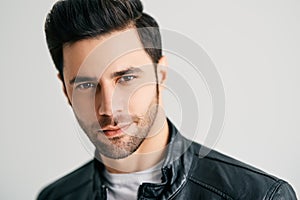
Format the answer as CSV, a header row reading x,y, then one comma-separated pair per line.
x,y
111,84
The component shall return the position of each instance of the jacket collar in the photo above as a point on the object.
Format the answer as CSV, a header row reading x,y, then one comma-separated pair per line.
x,y
174,170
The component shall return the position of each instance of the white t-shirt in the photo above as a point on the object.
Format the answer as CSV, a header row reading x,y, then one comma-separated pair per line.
x,y
125,186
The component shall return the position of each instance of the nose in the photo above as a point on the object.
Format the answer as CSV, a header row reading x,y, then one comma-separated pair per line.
x,y
104,101
110,100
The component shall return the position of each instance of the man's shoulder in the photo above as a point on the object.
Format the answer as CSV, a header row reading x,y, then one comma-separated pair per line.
x,y
228,176
70,183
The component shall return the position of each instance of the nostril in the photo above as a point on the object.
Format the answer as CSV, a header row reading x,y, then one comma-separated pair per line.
x,y
105,108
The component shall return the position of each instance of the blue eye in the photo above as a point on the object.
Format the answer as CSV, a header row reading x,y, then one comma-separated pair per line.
x,y
125,79
84,86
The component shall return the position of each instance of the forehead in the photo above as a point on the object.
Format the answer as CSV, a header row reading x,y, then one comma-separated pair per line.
x,y
109,52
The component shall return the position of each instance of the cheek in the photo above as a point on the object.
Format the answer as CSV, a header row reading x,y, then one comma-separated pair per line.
x,y
84,107
141,100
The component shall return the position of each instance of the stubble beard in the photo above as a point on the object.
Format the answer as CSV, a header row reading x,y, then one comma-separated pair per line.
x,y
122,146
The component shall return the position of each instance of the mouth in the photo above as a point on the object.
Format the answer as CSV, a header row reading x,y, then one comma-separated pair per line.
x,y
114,131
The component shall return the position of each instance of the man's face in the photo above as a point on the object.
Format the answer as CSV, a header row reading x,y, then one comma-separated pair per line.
x,y
111,84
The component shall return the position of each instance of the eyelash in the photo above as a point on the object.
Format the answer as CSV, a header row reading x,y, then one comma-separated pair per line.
x,y
85,86
88,85
121,80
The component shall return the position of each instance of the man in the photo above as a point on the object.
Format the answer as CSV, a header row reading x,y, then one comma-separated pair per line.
x,y
108,54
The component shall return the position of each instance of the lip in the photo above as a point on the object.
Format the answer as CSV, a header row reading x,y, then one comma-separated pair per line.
x,y
114,131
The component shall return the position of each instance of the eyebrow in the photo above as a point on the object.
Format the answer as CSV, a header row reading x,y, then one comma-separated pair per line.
x,y
130,70
79,79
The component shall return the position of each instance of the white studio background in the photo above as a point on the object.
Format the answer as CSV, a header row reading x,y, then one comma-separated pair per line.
x,y
254,44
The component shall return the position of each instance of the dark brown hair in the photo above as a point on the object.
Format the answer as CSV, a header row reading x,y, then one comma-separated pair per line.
x,y
73,20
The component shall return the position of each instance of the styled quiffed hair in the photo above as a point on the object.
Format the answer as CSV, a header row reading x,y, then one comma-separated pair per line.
x,y
73,20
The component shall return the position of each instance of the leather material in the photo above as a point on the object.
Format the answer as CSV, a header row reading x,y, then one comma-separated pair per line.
x,y
186,175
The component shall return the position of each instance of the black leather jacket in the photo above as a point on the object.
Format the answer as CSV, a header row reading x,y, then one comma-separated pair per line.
x,y
186,176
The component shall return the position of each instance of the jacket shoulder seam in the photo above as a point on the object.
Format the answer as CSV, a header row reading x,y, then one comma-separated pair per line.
x,y
273,189
210,188
243,167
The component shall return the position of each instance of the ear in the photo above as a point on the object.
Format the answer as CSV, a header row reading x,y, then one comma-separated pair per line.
x,y
162,69
64,87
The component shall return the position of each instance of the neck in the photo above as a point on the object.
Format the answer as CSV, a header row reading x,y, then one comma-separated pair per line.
x,y
151,151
